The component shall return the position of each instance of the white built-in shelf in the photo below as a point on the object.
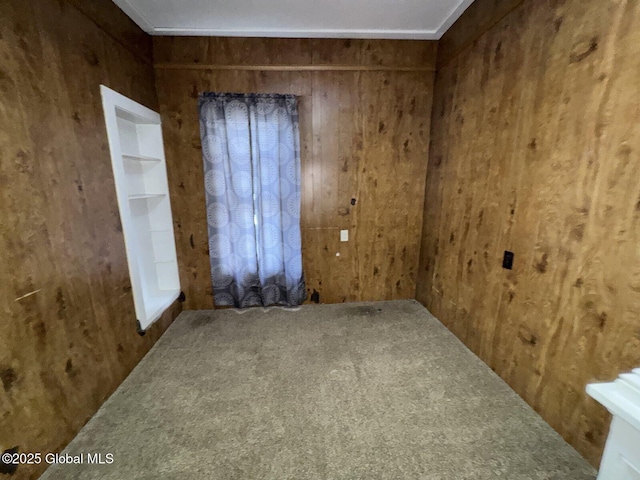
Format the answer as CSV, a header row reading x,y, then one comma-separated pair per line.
x,y
140,173
144,196
621,397
621,458
140,158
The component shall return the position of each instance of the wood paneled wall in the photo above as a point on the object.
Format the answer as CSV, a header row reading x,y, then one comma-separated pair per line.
x,y
481,16
68,328
365,110
536,149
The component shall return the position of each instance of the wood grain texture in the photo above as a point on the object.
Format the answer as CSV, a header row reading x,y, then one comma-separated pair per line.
x,y
68,328
107,16
536,149
479,17
293,51
364,135
291,68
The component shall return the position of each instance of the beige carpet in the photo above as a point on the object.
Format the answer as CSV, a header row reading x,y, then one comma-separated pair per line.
x,y
352,391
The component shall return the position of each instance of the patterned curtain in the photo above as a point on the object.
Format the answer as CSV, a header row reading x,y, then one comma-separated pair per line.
x,y
251,150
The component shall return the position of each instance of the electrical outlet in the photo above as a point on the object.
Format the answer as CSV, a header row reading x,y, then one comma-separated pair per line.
x,y
344,235
507,261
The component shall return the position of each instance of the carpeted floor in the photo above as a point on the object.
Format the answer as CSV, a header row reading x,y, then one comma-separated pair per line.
x,y
352,391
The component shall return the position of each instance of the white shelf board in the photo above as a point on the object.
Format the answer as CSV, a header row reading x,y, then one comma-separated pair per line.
x,y
140,158
156,305
143,196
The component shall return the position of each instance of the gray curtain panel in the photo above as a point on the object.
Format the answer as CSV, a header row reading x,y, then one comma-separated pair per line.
x,y
251,152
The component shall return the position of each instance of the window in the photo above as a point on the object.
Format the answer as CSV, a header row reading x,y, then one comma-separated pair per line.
x,y
251,150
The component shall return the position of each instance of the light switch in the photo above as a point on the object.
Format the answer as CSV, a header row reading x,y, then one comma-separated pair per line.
x,y
344,235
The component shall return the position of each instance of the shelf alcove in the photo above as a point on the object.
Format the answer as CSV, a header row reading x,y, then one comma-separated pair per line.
x,y
140,174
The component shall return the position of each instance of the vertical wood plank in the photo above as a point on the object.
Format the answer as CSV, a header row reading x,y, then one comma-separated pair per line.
x,y
68,331
535,150
365,135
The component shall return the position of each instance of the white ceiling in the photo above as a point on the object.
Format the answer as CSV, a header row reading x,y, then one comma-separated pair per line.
x,y
412,19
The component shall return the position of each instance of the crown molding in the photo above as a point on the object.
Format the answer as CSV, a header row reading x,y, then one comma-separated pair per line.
x,y
144,23
282,33
455,14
